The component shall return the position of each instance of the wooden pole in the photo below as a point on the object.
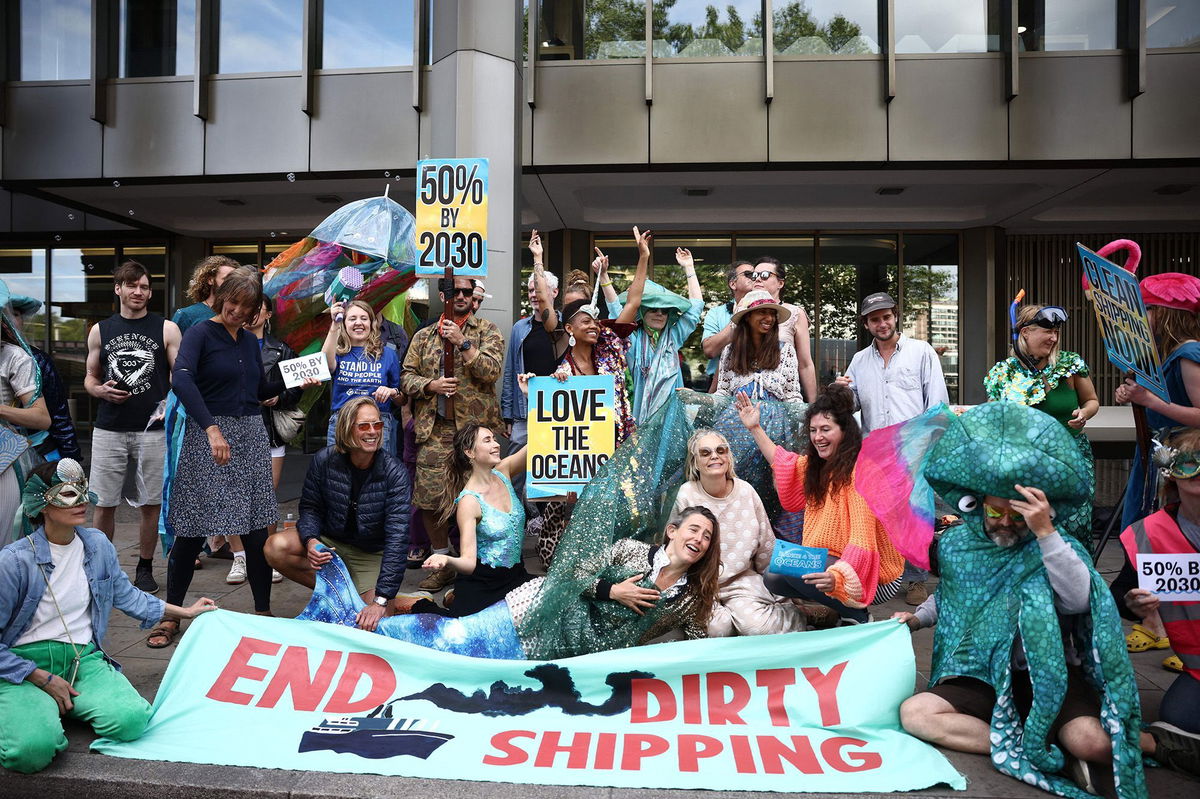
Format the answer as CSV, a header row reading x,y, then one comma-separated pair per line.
x,y
447,347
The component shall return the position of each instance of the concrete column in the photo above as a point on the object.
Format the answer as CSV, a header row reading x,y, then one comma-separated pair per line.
x,y
473,95
980,328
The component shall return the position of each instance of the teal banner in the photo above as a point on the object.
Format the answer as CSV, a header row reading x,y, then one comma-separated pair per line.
x,y
814,711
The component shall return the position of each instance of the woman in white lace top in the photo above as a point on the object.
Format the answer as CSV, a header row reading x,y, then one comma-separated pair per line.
x,y
756,361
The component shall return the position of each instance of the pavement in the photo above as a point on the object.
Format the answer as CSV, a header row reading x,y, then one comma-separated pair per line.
x,y
79,773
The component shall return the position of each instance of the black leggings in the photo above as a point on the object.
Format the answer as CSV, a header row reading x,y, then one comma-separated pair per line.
x,y
181,565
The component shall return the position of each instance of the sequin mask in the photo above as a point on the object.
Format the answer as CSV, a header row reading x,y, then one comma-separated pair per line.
x,y
69,489
1177,464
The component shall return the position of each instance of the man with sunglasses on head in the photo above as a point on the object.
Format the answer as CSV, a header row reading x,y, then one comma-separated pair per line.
x,y
444,402
355,502
767,274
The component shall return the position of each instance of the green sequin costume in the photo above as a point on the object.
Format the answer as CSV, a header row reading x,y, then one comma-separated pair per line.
x,y
630,498
988,595
1049,390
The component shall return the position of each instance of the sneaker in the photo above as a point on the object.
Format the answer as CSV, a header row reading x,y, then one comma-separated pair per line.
x,y
276,577
237,572
1079,773
439,579
1176,749
144,580
403,603
916,593
448,598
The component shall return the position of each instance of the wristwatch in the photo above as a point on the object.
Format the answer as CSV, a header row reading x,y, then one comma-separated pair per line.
x,y
381,601
466,345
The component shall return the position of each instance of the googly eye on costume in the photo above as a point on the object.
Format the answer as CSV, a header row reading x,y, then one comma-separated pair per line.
x,y
968,503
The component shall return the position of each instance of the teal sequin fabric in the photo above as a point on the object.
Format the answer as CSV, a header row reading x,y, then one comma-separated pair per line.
x,y
989,595
498,535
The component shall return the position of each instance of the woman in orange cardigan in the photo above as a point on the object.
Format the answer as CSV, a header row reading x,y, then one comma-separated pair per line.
x,y
863,568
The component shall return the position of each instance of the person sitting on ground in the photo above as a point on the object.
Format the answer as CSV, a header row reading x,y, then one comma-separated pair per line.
x,y
58,588
489,561
629,594
355,501
1173,530
743,606
1028,656
863,566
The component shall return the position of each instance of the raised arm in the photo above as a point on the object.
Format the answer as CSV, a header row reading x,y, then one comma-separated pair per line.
x,y
329,348
549,319
683,257
749,414
600,268
638,286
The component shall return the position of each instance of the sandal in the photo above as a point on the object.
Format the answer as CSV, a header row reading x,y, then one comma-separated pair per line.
x,y
163,634
417,555
1173,663
1142,640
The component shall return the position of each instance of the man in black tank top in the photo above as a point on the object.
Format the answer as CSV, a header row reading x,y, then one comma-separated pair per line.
x,y
129,362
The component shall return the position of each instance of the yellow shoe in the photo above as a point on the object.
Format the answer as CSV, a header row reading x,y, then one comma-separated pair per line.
x,y
1141,639
1173,663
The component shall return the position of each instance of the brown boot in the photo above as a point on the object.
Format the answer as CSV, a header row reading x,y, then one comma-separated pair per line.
x,y
439,579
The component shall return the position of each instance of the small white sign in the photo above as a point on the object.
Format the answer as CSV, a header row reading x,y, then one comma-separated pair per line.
x,y
1171,578
297,370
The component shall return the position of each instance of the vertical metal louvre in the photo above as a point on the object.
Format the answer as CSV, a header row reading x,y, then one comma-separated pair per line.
x,y
1048,268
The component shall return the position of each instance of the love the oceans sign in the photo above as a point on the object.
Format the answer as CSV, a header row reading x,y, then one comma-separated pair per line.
x,y
814,711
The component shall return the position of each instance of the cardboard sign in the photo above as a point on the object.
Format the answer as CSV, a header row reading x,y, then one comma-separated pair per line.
x,y
794,560
814,711
452,213
297,370
1171,578
572,432
1121,314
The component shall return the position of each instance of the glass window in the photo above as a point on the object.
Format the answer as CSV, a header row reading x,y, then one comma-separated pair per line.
x,y
243,253
1067,24
56,39
930,303
157,37
367,33
695,29
851,268
826,27
574,29
1172,23
24,271
260,36
81,296
947,26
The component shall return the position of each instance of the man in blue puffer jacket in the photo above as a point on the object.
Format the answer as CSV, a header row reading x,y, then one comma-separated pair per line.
x,y
355,501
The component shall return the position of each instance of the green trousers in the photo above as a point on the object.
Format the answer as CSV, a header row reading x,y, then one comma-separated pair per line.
x,y
32,732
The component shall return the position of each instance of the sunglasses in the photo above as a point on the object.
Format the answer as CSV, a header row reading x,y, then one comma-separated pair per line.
x,y
763,275
1049,318
721,449
993,512
365,426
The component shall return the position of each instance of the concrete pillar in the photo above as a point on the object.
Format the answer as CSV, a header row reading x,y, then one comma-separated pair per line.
x,y
979,323
473,95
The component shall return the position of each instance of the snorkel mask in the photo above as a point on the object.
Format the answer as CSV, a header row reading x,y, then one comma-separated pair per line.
x,y
1050,317
69,489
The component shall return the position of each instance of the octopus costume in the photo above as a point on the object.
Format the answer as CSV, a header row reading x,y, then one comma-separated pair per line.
x,y
989,595
1049,391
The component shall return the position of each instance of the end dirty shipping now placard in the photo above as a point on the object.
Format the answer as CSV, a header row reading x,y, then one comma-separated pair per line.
x,y
572,432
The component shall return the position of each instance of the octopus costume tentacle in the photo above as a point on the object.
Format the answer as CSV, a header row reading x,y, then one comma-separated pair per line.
x,y
990,597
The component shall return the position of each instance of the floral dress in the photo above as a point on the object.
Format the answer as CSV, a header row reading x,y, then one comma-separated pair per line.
x,y
1049,390
608,356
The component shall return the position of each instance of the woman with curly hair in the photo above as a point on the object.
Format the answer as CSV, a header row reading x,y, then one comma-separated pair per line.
x,y
207,277
863,567
630,594
361,366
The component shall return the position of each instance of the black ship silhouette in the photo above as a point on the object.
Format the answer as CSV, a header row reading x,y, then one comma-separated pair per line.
x,y
376,735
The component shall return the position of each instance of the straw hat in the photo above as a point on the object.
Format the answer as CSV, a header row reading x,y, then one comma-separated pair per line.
x,y
756,300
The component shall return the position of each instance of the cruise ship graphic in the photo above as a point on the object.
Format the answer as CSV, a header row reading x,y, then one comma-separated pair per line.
x,y
376,735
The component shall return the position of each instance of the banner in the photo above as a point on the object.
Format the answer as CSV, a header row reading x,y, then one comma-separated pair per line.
x,y
452,215
814,711
1121,314
572,432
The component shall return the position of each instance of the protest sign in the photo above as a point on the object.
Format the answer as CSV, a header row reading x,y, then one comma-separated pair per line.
x,y
452,214
813,711
1121,314
296,370
1171,578
794,560
572,432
